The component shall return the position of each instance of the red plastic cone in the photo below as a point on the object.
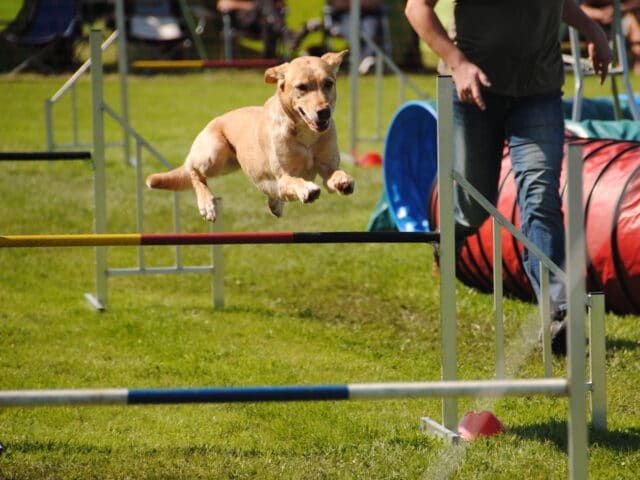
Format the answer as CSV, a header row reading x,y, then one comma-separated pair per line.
x,y
475,424
370,159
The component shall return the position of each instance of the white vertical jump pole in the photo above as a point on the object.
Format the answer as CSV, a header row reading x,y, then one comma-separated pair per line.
x,y
100,200
545,319
123,68
447,247
576,368
498,297
576,259
597,361
217,257
100,299
354,59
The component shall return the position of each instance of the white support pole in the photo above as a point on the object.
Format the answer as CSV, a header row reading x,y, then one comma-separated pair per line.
x,y
48,120
620,47
576,258
576,109
123,68
545,320
597,359
354,59
498,298
100,200
447,246
217,259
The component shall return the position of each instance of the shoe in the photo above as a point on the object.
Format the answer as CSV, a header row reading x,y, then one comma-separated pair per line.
x,y
366,64
558,330
559,337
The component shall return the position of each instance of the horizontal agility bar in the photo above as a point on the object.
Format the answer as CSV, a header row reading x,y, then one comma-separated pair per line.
x,y
177,64
229,238
22,156
356,391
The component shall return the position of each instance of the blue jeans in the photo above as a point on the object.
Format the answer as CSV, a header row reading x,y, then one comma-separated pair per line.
x,y
533,126
370,25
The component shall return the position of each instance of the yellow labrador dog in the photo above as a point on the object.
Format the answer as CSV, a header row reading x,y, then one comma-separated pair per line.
x,y
280,146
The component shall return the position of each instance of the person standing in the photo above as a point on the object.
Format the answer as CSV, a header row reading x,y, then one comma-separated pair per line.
x,y
371,24
602,12
506,64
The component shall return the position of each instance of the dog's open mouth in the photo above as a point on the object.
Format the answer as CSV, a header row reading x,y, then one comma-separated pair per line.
x,y
315,125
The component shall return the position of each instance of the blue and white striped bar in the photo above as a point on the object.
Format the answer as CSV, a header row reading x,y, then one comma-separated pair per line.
x,y
353,391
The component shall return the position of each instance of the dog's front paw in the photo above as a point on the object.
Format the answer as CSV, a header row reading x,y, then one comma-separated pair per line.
x,y
310,193
208,209
341,182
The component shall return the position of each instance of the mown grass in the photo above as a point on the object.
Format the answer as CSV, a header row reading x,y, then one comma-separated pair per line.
x,y
298,314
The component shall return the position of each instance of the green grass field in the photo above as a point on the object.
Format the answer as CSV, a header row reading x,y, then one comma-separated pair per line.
x,y
294,314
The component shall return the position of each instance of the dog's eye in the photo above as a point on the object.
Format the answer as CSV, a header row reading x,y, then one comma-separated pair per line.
x,y
302,87
327,85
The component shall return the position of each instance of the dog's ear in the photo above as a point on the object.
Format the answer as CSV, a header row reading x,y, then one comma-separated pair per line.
x,y
273,74
334,59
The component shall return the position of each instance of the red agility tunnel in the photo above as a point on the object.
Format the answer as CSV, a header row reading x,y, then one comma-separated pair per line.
x,y
611,195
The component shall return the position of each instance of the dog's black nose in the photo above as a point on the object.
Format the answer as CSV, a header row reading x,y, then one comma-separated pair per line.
x,y
324,114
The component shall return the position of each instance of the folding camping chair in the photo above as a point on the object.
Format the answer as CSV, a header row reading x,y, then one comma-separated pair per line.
x,y
262,20
156,25
619,67
336,25
47,29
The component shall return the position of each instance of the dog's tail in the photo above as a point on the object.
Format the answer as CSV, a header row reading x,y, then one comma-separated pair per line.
x,y
176,179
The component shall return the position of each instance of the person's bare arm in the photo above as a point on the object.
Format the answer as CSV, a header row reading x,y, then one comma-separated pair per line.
x,y
629,5
602,14
597,42
468,77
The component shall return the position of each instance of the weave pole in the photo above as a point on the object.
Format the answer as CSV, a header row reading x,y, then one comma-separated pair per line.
x,y
226,238
354,391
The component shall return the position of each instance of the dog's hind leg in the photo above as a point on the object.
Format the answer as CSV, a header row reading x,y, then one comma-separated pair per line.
x,y
210,156
276,207
206,200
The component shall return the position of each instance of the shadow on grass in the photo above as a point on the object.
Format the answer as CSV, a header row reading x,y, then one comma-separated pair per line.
x,y
620,441
53,446
616,344
267,312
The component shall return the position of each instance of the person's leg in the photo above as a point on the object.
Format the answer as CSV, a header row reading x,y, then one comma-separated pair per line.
x,y
632,24
479,138
535,130
344,24
478,143
369,25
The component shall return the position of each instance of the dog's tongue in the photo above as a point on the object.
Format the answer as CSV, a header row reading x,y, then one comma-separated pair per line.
x,y
314,125
321,126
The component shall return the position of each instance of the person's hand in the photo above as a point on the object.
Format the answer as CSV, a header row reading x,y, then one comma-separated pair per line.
x,y
469,80
599,54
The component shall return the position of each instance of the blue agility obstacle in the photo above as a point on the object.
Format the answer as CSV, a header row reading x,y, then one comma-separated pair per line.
x,y
410,165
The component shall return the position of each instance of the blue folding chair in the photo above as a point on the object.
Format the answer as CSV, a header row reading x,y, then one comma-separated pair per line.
x,y
48,26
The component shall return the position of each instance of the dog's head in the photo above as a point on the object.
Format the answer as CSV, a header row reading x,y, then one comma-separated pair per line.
x,y
307,87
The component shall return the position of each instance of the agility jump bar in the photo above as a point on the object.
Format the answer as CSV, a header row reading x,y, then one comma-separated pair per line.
x,y
227,238
354,391
176,64
26,156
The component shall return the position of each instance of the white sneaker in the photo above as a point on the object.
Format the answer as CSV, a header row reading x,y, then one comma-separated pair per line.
x,y
366,64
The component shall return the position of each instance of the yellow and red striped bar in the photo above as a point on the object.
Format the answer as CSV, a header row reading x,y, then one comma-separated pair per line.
x,y
178,64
